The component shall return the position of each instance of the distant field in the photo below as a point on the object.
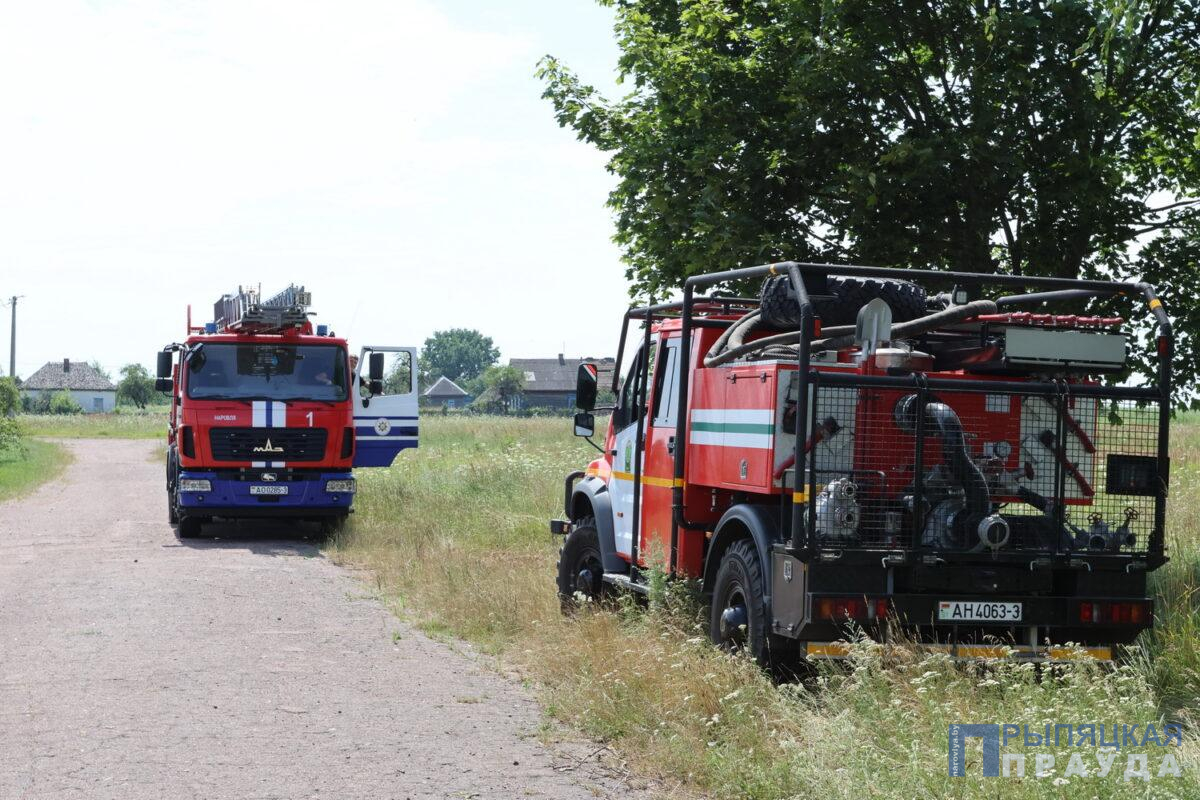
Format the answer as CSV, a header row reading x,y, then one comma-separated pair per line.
x,y
456,534
23,471
124,425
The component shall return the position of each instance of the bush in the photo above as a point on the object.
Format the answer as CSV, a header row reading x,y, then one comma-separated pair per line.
x,y
61,402
10,437
10,397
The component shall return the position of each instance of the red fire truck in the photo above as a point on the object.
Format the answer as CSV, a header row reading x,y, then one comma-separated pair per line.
x,y
269,414
850,448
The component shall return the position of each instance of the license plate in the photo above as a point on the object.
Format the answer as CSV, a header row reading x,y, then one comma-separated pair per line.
x,y
267,489
978,611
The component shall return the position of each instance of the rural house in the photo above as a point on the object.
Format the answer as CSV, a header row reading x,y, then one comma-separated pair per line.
x,y
550,382
92,391
446,392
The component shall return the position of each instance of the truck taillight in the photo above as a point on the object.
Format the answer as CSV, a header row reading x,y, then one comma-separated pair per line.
x,y
348,443
840,609
1114,613
187,441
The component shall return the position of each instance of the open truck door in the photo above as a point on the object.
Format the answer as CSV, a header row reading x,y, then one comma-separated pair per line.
x,y
384,422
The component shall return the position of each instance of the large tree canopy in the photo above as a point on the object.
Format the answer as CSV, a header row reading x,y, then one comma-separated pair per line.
x,y
458,354
1049,138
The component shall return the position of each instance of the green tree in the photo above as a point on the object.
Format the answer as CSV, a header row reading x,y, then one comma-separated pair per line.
x,y
10,397
1022,137
456,353
502,388
136,387
398,378
10,433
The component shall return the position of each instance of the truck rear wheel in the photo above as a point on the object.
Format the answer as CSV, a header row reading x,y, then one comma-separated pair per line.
x,y
580,567
738,618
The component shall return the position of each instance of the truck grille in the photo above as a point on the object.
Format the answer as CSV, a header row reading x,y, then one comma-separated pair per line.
x,y
288,444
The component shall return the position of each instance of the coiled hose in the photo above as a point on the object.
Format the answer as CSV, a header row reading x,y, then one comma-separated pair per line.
x,y
732,343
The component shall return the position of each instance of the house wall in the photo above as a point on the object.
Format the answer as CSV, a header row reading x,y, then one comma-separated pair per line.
x,y
547,399
92,402
451,402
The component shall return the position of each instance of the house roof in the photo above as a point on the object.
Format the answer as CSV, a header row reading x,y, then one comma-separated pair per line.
x,y
80,376
558,374
444,387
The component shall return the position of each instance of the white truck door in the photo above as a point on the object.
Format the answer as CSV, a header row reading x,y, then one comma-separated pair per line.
x,y
631,405
385,424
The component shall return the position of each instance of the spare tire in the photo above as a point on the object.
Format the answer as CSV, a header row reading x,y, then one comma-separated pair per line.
x,y
846,295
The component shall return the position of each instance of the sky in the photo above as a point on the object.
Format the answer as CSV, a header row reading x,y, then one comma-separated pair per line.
x,y
392,156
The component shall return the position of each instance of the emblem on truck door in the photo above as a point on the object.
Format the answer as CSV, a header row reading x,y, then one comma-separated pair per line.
x,y
267,448
382,426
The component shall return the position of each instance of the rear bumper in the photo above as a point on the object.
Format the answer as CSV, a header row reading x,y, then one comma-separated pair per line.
x,y
974,652
231,497
1053,621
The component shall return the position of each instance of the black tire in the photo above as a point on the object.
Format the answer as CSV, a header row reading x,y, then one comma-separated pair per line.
x,y
848,295
189,527
738,617
580,565
172,477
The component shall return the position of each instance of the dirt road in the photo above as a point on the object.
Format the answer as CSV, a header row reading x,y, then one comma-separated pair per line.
x,y
136,666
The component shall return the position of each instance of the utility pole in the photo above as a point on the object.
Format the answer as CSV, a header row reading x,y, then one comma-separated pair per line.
x,y
12,342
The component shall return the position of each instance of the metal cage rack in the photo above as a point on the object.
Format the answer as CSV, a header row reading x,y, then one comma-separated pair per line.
x,y
1066,531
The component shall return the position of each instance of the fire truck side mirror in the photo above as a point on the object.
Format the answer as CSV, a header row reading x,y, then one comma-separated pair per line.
x,y
585,424
375,370
585,390
375,386
165,359
162,384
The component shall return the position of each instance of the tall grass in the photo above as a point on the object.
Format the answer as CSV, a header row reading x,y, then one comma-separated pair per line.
x,y
456,534
24,468
123,424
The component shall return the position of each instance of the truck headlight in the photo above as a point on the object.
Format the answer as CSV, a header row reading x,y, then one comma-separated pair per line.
x,y
195,485
341,486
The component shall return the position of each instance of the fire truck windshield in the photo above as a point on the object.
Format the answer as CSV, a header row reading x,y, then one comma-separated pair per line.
x,y
226,371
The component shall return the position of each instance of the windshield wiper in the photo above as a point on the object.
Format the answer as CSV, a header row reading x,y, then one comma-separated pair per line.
x,y
310,400
239,397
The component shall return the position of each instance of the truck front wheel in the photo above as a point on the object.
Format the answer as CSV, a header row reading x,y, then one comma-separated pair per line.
x,y
172,478
580,568
738,619
189,527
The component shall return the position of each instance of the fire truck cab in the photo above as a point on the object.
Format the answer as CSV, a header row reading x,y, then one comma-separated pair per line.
x,y
851,450
269,414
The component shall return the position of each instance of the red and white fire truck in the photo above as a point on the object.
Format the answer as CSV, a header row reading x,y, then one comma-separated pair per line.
x,y
850,448
269,414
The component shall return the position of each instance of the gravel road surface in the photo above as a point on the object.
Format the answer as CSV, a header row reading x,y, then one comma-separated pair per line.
x,y
134,665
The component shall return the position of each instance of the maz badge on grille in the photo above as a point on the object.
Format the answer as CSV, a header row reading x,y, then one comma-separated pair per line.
x,y
267,448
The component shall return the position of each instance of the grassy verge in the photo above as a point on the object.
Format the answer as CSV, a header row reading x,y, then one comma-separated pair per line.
x,y
456,532
22,471
122,425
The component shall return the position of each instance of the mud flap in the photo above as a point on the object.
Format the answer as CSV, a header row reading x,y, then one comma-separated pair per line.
x,y
384,424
